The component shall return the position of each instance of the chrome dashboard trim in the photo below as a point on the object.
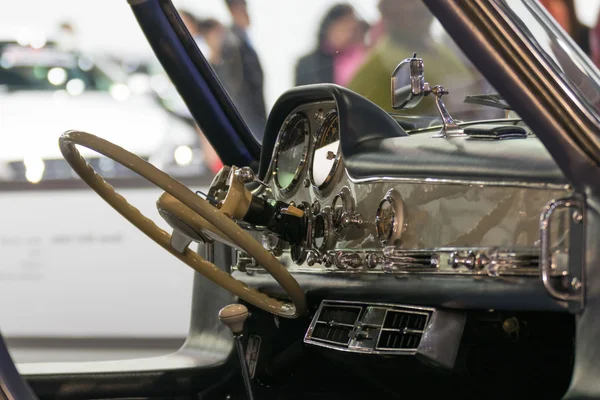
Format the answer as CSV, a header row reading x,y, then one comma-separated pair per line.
x,y
464,182
486,263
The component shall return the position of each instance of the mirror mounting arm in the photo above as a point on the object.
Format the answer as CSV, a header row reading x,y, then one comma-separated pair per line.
x,y
450,128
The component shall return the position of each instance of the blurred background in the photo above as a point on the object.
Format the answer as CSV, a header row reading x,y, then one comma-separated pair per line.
x,y
77,282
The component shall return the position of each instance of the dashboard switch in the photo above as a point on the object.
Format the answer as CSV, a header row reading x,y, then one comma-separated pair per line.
x,y
345,261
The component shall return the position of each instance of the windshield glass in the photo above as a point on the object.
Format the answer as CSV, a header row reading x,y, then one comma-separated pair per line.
x,y
259,51
26,68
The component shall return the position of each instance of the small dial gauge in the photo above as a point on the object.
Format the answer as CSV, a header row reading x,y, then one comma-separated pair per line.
x,y
292,151
389,218
326,154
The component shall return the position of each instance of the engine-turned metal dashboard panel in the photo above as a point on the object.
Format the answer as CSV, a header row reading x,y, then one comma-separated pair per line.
x,y
403,225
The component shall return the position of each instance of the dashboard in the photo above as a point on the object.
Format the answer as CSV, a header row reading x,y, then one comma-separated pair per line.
x,y
435,222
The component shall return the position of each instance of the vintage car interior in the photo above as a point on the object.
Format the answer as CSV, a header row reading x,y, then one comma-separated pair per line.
x,y
365,254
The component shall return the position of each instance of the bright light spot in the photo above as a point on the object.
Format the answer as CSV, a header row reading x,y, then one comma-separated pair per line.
x,y
159,83
37,42
85,63
75,87
6,62
34,169
57,76
139,83
120,92
23,38
183,155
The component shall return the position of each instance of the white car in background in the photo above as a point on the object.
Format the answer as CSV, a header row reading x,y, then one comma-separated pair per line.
x,y
46,91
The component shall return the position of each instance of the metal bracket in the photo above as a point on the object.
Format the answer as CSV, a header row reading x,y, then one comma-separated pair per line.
x,y
571,285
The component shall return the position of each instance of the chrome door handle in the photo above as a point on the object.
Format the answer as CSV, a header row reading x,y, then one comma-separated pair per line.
x,y
574,289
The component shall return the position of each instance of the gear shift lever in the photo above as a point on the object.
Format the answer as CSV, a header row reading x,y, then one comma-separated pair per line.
x,y
233,316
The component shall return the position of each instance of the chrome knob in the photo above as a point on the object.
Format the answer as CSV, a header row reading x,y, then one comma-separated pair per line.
x,y
345,261
312,259
373,260
328,260
245,174
348,219
457,259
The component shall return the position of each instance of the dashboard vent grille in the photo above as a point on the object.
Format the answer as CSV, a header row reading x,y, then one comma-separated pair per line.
x,y
340,314
402,330
388,329
332,334
334,324
402,319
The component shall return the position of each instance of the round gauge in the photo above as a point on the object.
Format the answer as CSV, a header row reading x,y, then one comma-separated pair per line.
x,y
291,152
326,154
389,218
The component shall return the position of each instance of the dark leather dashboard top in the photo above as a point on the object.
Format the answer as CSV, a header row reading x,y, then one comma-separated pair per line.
x,y
375,145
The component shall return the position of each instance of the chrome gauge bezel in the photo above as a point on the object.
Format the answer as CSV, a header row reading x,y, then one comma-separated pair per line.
x,y
328,119
344,196
329,237
291,121
393,198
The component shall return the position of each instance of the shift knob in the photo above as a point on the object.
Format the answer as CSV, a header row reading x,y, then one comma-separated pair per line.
x,y
233,316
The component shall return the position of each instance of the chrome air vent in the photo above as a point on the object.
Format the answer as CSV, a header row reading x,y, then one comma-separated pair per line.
x,y
402,330
332,334
390,329
335,323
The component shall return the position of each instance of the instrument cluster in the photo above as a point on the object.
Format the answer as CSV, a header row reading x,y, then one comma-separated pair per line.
x,y
309,136
307,170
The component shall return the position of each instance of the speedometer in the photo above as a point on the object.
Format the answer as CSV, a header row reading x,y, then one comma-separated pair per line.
x,y
292,151
326,154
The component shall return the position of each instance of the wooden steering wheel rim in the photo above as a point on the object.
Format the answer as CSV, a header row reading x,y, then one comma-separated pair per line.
x,y
67,143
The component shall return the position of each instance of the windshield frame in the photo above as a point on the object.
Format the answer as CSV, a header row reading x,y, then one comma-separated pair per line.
x,y
544,18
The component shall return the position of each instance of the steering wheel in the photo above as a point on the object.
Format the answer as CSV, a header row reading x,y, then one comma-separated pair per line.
x,y
67,143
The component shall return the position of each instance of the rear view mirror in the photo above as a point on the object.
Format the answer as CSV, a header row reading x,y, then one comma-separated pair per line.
x,y
408,83
409,88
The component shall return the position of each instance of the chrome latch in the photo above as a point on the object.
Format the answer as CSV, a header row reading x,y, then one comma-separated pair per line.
x,y
570,286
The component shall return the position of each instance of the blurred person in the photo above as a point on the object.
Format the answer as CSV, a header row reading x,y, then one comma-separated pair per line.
x,y
340,49
240,69
193,26
213,33
565,14
66,37
406,29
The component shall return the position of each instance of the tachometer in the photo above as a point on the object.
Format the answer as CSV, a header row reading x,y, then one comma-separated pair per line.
x,y
326,154
292,151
